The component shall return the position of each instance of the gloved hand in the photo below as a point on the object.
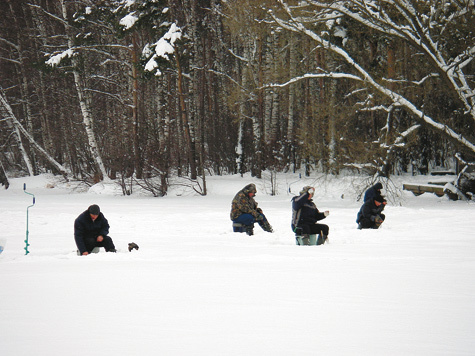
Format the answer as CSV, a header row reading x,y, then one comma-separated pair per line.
x,y
378,220
264,224
267,227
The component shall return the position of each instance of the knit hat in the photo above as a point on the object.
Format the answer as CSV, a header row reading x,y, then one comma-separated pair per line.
x,y
94,209
250,188
305,189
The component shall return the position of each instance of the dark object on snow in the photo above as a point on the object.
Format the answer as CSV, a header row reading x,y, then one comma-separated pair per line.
x,y
132,246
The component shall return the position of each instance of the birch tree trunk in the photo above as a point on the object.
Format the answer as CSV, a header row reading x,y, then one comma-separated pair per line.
x,y
14,126
84,103
242,112
275,68
258,112
331,113
267,73
290,142
46,131
198,90
185,122
135,115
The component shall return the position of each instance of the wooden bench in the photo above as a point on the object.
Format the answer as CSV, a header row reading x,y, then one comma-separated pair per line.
x,y
418,189
442,173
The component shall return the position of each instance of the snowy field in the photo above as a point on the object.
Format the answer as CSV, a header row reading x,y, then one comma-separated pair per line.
x,y
196,288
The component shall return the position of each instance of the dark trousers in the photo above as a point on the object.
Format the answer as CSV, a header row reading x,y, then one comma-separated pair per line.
x,y
315,229
91,242
248,219
368,224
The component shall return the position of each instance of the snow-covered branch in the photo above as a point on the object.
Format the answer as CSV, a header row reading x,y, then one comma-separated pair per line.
x,y
9,43
312,76
420,27
419,82
7,112
161,49
64,22
372,15
9,60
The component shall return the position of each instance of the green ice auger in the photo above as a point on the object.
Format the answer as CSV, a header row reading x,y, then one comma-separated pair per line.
x,y
27,232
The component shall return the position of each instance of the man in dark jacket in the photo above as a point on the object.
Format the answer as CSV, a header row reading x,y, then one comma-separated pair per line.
x,y
244,210
370,215
373,192
305,216
90,230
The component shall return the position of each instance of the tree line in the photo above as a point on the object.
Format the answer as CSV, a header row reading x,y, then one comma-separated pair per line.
x,y
149,90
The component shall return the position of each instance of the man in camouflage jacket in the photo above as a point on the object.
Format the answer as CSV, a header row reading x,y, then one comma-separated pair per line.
x,y
244,210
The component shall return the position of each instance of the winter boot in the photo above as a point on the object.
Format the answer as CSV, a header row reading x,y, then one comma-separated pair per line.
x,y
250,230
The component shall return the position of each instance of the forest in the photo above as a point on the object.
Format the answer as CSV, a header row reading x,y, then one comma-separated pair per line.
x,y
147,90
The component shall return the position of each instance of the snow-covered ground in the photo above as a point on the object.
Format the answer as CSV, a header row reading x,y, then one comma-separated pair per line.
x,y
196,288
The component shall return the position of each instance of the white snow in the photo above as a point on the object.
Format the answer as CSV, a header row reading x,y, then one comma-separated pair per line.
x,y
163,47
129,20
57,58
196,288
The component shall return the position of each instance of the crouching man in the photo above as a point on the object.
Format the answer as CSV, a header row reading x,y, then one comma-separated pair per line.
x,y
90,230
370,215
244,211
